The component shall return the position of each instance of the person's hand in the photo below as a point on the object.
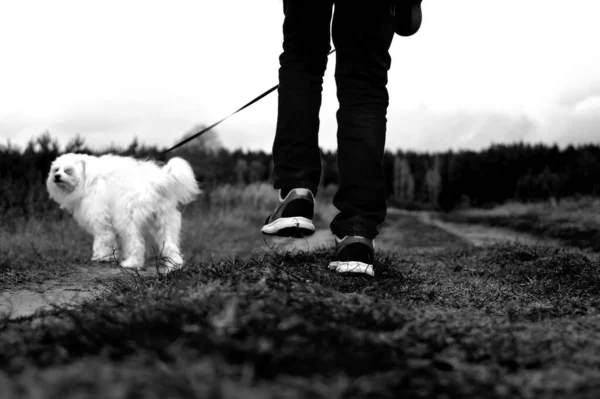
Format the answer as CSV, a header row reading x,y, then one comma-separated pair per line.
x,y
407,16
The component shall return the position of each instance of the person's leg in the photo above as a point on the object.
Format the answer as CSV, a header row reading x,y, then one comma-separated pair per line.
x,y
306,34
362,34
296,154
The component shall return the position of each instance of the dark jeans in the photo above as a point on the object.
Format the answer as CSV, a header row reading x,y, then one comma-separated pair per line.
x,y
362,33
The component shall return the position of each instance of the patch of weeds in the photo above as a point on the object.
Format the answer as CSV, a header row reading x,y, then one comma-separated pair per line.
x,y
32,270
509,280
256,315
37,250
558,281
284,323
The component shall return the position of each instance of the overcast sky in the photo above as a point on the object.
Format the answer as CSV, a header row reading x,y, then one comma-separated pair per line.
x,y
477,72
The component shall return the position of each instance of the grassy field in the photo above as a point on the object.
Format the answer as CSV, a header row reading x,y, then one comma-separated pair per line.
x,y
576,222
441,319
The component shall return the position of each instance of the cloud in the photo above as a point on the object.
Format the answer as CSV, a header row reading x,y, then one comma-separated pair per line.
x,y
425,130
103,125
481,80
577,95
576,124
10,126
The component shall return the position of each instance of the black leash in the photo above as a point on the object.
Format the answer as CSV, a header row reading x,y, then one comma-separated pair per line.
x,y
206,129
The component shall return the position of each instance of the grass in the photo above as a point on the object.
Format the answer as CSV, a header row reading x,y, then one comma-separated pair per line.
x,y
503,322
54,247
575,222
36,250
441,319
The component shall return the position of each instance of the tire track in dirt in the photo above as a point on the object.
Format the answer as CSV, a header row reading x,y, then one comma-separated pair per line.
x,y
479,234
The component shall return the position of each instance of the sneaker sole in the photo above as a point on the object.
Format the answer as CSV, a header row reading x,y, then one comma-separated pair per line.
x,y
289,227
352,267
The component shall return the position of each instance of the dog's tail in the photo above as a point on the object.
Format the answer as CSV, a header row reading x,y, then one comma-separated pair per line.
x,y
179,181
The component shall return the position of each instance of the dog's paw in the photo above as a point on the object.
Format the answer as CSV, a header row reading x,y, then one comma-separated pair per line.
x,y
106,255
166,269
132,264
174,261
171,263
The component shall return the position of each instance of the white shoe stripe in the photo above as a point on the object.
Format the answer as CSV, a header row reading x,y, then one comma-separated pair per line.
x,y
352,267
284,223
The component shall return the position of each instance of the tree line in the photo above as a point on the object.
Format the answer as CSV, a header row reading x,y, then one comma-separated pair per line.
x,y
439,181
502,172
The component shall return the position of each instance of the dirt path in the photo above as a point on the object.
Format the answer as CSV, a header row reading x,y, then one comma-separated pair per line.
x,y
322,239
88,282
84,283
388,239
478,234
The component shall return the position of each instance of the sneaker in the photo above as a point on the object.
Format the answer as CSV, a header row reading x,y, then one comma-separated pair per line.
x,y
293,215
353,255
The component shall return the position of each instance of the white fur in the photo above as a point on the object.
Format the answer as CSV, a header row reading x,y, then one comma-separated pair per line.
x,y
117,199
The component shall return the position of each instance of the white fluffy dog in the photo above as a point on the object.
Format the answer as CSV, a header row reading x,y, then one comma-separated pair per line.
x,y
117,199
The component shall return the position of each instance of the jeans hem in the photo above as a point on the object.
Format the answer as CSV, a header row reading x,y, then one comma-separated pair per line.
x,y
368,233
291,185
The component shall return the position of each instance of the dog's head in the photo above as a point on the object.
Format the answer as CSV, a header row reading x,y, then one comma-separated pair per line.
x,y
66,177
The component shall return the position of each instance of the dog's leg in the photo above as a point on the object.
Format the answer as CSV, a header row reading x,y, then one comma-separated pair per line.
x,y
105,245
133,246
167,228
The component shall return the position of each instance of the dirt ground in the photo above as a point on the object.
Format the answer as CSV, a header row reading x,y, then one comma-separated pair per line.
x,y
88,283
83,284
478,234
